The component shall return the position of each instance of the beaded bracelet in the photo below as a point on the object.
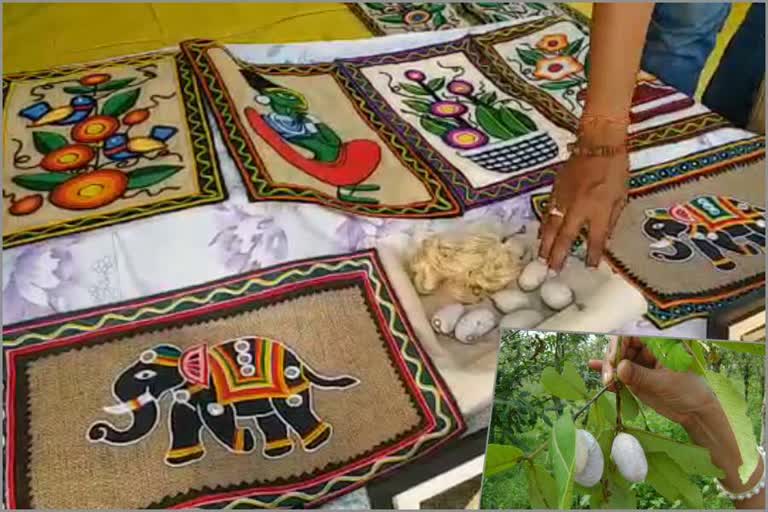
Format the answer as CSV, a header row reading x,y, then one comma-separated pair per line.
x,y
746,494
622,120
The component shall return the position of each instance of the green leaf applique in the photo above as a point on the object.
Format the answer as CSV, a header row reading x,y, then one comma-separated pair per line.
x,y
45,142
151,175
120,103
41,182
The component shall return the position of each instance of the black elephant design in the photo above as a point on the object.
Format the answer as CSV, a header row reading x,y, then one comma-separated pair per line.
x,y
713,225
213,387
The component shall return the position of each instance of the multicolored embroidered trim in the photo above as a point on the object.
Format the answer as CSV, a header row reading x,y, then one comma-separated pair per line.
x,y
254,172
665,310
209,185
442,421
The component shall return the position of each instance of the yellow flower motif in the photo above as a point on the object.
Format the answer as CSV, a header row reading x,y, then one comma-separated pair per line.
x,y
557,68
552,42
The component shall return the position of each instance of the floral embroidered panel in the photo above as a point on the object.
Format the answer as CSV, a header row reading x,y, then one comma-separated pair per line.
x,y
692,237
305,133
548,59
459,111
93,145
280,388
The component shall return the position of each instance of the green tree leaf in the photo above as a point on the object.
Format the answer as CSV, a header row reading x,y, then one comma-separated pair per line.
x,y
629,405
574,47
151,175
415,89
41,182
120,103
417,105
620,493
669,479
558,86
757,348
569,385
670,352
530,57
45,142
542,488
435,126
562,450
114,85
500,457
695,459
436,84
735,408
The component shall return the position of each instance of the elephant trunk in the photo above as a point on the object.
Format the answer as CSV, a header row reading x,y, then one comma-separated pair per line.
x,y
144,412
681,250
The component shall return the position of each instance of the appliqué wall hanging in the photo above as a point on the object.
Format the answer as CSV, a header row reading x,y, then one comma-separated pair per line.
x,y
92,145
304,133
548,60
285,387
692,237
454,108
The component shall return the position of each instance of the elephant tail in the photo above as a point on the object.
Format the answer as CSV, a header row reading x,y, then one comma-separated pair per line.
x,y
342,382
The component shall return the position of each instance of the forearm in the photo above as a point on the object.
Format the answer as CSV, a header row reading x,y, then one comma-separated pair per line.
x,y
711,430
616,46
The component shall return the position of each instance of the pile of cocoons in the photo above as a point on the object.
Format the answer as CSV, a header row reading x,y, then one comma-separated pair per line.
x,y
513,306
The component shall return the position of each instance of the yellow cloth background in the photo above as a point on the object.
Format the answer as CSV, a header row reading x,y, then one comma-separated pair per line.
x,y
41,35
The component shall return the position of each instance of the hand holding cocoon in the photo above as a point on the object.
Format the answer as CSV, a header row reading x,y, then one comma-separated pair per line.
x,y
629,457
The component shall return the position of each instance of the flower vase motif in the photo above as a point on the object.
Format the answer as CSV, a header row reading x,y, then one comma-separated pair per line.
x,y
88,149
478,124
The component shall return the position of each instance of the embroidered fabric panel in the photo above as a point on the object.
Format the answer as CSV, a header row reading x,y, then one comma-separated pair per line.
x,y
296,354
548,60
692,237
305,133
92,145
457,110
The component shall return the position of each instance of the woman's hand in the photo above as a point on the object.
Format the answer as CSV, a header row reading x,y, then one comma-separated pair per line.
x,y
684,398
590,192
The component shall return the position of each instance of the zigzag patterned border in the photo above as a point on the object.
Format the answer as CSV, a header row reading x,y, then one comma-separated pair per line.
x,y
256,175
210,184
666,310
53,333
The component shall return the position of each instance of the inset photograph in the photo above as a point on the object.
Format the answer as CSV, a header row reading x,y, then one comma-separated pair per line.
x,y
589,421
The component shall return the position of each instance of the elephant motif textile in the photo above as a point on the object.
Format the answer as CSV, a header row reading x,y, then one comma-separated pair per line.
x,y
284,387
692,237
92,145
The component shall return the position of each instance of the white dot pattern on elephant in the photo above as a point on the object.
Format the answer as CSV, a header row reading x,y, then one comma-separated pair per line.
x,y
294,400
215,409
292,372
247,370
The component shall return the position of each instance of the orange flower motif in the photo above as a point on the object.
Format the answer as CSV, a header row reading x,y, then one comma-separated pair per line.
x,y
557,68
95,79
95,129
68,158
136,116
552,42
90,190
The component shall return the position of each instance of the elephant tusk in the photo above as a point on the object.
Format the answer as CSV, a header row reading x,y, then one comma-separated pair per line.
x,y
130,405
662,244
